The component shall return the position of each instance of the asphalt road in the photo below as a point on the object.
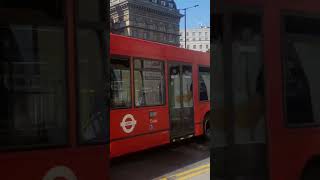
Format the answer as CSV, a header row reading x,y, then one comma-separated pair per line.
x,y
184,160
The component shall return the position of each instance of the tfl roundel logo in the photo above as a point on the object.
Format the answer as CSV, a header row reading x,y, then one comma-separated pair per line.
x,y
128,123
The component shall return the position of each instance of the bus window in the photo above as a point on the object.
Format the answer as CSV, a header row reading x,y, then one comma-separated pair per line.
x,y
91,87
302,45
204,83
120,83
149,83
33,86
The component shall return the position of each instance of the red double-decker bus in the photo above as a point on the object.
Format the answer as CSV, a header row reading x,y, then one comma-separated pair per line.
x,y
53,74
266,90
159,94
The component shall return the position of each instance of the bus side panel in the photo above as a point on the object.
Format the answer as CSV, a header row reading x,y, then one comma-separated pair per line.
x,y
200,112
138,143
37,164
127,124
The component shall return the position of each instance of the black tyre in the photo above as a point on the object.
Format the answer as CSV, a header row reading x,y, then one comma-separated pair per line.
x,y
207,130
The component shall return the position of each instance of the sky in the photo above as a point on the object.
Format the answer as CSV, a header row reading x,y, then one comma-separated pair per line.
x,y
195,16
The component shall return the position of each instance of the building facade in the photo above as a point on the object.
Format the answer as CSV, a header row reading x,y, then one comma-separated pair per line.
x,y
154,20
198,39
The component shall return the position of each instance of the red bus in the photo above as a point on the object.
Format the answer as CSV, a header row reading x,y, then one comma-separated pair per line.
x,y
53,114
159,94
265,70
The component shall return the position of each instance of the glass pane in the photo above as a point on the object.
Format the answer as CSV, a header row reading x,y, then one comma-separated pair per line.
x,y
204,83
149,85
238,98
187,97
175,83
120,84
49,9
33,86
92,107
247,79
301,70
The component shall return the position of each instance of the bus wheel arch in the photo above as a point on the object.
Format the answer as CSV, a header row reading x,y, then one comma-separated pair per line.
x,y
311,170
206,126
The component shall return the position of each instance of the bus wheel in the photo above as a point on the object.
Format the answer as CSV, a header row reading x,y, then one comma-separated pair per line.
x,y
311,173
207,130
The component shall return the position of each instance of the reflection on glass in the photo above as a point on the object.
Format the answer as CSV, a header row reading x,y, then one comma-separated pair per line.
x,y
187,96
175,100
302,80
204,83
120,83
149,83
92,107
33,86
247,65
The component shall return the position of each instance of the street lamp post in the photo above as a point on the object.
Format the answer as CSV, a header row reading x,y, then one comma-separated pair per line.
x,y
185,23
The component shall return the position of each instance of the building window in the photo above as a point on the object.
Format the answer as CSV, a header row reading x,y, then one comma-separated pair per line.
x,y
193,33
149,83
155,1
193,39
300,68
199,33
120,83
170,5
163,3
207,46
194,47
204,83
200,46
134,33
187,33
188,46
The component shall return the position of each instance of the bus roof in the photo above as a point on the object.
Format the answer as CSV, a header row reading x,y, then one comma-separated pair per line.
x,y
133,47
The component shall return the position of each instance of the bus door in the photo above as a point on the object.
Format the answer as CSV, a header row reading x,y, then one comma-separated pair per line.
x,y
238,121
181,100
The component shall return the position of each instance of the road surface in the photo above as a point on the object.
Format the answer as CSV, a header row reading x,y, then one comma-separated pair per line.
x,y
184,160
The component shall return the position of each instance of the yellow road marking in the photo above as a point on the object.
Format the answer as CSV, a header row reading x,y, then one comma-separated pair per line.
x,y
189,173
194,174
192,170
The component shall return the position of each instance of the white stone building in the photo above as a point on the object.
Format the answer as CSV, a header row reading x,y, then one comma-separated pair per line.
x,y
198,39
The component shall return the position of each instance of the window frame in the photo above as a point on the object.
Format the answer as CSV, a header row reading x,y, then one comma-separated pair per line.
x,y
164,82
284,55
112,56
208,67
